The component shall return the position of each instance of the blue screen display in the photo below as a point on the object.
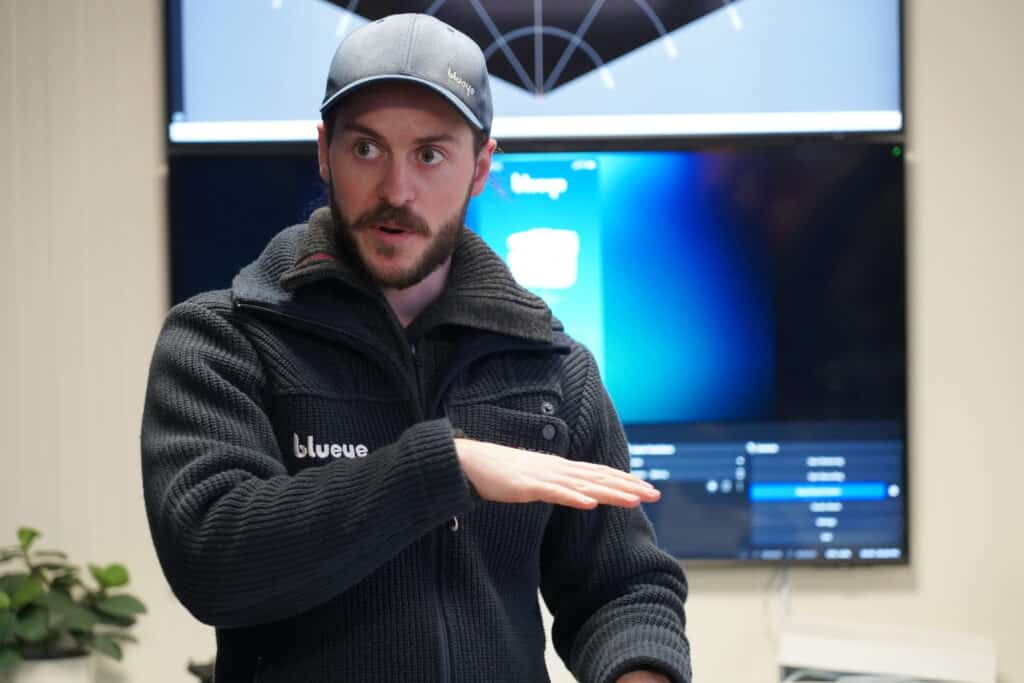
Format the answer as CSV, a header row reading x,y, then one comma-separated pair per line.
x,y
745,304
659,279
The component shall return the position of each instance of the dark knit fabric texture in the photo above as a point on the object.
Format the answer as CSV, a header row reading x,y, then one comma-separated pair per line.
x,y
305,497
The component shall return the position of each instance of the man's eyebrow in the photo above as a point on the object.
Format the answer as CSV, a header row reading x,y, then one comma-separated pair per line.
x,y
440,137
359,128
426,140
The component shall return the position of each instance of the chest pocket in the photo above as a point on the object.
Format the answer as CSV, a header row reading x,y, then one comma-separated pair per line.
x,y
541,431
512,400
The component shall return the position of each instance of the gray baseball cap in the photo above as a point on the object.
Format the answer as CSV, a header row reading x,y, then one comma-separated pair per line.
x,y
417,48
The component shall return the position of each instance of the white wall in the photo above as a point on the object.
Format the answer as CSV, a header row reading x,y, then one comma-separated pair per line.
x,y
82,271
82,268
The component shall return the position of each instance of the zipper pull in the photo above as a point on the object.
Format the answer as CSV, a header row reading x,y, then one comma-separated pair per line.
x,y
453,524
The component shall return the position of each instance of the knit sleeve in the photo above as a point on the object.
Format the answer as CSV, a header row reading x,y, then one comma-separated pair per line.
x,y
617,600
242,541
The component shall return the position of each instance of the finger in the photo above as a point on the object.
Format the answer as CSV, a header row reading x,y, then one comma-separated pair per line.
x,y
644,491
613,478
557,494
603,475
606,495
611,472
608,474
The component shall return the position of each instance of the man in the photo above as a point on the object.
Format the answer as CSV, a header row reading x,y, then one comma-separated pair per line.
x,y
362,461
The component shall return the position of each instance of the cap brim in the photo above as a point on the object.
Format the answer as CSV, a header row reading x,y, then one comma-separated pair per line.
x,y
443,92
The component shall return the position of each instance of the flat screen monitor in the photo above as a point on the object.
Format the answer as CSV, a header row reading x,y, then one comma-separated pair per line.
x,y
254,70
746,307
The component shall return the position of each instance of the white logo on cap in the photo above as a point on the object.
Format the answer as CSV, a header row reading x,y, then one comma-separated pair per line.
x,y
453,75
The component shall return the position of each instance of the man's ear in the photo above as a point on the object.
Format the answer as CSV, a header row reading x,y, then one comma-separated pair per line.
x,y
323,152
483,166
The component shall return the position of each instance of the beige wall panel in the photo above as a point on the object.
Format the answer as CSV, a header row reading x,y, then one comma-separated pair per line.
x,y
8,258
82,189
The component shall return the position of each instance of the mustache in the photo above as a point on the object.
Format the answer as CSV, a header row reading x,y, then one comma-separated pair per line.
x,y
397,215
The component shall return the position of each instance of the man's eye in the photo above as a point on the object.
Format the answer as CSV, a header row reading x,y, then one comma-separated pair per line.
x,y
431,156
366,150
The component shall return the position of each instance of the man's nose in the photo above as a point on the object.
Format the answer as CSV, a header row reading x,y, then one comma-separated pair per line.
x,y
397,184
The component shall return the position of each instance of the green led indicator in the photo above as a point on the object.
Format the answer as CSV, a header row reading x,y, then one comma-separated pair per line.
x,y
897,151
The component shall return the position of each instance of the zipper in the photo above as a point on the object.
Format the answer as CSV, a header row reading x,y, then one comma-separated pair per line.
x,y
437,543
436,547
417,366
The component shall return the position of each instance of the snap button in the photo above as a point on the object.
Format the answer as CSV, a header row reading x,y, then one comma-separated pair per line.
x,y
547,407
548,432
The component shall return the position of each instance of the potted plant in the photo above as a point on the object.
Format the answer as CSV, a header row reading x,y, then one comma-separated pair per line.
x,y
51,619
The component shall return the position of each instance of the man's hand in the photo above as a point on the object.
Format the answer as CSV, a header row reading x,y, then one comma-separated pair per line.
x,y
511,475
643,677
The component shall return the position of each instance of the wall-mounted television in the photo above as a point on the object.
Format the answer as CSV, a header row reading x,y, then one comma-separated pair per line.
x,y
746,306
254,70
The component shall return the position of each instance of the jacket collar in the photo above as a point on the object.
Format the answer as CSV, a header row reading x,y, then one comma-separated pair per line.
x,y
481,292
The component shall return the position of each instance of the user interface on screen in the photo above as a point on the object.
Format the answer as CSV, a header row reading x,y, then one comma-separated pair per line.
x,y
746,311
251,70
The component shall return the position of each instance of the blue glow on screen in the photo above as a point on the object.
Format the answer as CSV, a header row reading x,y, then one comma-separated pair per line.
x,y
669,288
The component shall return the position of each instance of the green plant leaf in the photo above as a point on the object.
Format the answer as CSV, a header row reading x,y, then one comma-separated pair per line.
x,y
121,606
26,592
64,583
67,614
5,601
104,618
9,582
26,536
8,622
33,626
111,576
123,637
104,645
9,657
117,575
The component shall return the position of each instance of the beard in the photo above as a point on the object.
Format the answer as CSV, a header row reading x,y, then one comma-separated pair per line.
x,y
438,251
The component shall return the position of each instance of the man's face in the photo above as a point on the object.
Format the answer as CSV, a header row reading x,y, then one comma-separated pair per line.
x,y
400,170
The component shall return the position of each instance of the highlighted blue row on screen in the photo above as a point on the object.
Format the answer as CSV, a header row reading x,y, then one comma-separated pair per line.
x,y
794,492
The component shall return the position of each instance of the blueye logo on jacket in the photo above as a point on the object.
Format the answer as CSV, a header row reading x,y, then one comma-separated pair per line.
x,y
311,449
